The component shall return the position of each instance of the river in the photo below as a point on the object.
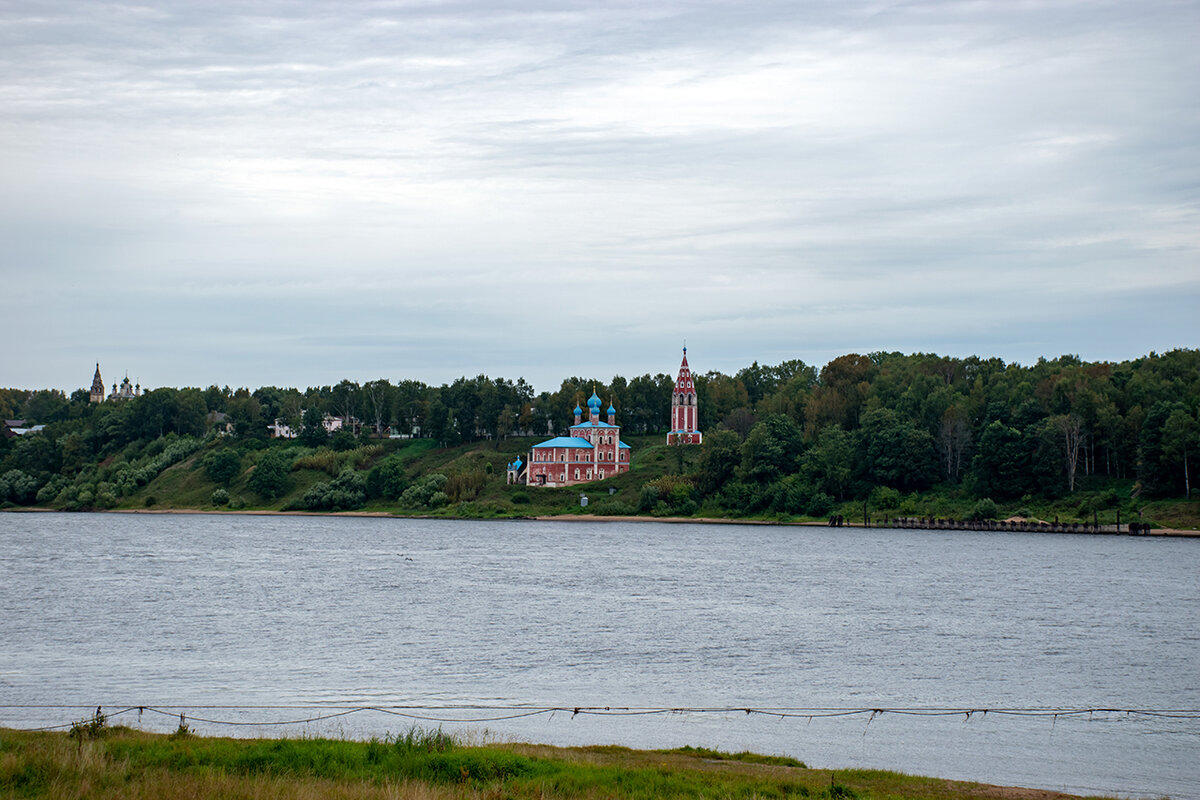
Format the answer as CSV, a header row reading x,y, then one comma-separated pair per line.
x,y
477,620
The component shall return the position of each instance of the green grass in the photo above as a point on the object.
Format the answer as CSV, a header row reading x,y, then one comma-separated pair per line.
x,y
424,764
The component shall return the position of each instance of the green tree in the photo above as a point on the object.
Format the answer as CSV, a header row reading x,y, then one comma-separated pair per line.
x,y
272,475
829,464
312,429
772,449
720,455
1181,433
894,452
223,465
1000,463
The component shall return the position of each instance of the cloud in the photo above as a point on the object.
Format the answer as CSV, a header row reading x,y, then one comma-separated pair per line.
x,y
224,193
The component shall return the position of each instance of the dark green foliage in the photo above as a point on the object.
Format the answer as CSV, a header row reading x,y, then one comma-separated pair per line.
x,y
342,440
345,492
720,455
223,465
312,428
427,492
772,449
387,480
272,474
892,451
17,487
819,505
984,509
980,427
1002,463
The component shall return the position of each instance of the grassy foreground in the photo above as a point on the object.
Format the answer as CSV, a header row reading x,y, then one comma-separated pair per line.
x,y
123,763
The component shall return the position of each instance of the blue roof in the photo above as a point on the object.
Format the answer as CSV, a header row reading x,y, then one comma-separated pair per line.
x,y
578,410
622,444
611,410
590,424
593,400
565,441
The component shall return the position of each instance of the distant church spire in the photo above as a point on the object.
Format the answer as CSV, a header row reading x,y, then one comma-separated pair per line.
x,y
97,393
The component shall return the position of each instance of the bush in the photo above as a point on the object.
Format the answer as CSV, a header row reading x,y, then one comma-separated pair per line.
x,y
648,498
521,498
885,497
223,465
614,508
342,440
984,509
422,493
348,490
270,477
19,487
387,479
819,505
220,497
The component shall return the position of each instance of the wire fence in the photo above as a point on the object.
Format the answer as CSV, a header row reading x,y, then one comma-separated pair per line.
x,y
301,714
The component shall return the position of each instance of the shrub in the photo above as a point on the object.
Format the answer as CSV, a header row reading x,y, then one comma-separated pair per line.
x,y
648,498
387,479
521,498
819,505
885,497
220,497
984,509
19,487
151,500
348,490
223,465
270,477
422,492
342,440
465,485
614,508
324,460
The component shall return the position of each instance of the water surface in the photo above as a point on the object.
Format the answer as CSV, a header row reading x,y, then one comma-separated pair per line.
x,y
192,610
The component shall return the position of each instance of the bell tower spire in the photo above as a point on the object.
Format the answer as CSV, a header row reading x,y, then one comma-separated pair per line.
x,y
684,413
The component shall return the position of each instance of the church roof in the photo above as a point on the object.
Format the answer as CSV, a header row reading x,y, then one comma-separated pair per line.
x,y
565,441
590,424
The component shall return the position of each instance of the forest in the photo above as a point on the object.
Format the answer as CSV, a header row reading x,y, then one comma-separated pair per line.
x,y
782,439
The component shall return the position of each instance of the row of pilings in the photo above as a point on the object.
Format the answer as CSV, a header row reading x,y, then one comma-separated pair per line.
x,y
1031,526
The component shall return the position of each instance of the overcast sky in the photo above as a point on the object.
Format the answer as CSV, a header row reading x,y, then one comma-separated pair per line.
x,y
293,193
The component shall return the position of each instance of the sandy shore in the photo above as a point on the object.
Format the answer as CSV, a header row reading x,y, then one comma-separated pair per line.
x,y
539,518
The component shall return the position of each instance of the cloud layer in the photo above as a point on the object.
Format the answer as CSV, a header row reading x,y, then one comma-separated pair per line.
x,y
295,193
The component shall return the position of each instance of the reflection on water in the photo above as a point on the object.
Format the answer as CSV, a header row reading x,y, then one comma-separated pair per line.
x,y
182,610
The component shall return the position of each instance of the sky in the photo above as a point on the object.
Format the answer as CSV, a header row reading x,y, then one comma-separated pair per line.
x,y
296,193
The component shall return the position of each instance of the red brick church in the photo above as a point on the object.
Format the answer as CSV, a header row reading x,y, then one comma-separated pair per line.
x,y
591,451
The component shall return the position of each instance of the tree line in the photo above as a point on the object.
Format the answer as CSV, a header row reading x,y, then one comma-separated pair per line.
x,y
775,436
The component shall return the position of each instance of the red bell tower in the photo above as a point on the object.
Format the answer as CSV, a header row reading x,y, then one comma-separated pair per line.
x,y
684,417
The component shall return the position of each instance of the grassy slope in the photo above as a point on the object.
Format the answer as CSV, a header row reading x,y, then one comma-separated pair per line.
x,y
129,764
185,486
